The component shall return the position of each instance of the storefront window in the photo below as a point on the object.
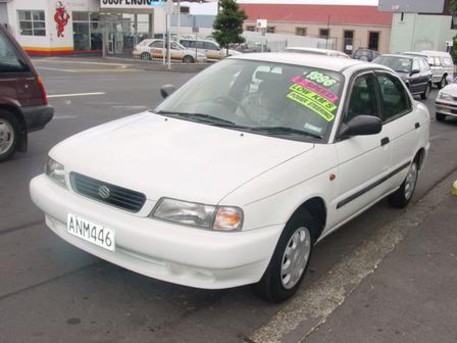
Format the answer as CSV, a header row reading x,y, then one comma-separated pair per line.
x,y
31,23
87,33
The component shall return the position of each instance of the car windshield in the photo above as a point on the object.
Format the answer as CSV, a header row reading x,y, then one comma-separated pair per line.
x,y
281,100
399,64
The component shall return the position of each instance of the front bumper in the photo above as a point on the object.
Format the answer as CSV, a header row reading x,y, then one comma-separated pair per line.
x,y
36,117
448,108
168,252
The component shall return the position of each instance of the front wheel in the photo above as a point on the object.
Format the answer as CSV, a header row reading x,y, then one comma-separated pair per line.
x,y
290,260
440,116
145,56
442,83
402,196
9,134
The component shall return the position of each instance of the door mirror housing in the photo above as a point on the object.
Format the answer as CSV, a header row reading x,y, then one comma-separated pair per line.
x,y
361,125
167,90
414,71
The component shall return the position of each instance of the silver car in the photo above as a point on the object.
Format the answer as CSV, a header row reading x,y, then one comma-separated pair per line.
x,y
446,101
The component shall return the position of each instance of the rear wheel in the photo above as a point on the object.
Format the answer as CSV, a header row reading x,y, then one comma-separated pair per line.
x,y
426,92
9,134
404,194
440,116
290,260
188,59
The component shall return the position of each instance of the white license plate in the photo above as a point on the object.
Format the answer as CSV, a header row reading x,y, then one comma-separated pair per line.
x,y
91,232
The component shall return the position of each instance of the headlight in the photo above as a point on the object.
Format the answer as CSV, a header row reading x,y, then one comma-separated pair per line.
x,y
55,171
445,96
217,218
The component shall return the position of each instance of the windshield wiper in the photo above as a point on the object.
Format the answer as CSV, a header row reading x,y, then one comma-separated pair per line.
x,y
282,130
201,117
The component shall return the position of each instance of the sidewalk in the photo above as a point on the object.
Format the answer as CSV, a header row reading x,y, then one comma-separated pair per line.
x,y
412,295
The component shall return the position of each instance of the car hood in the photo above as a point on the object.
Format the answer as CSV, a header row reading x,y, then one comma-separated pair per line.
x,y
450,89
162,156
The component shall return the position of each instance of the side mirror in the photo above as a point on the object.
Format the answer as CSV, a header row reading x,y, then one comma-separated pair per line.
x,y
414,71
361,125
167,90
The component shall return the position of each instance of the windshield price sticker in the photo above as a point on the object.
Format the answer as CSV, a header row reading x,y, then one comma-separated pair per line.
x,y
329,106
312,105
315,88
90,232
321,78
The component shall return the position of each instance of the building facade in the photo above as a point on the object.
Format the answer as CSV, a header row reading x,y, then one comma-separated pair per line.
x,y
423,31
347,27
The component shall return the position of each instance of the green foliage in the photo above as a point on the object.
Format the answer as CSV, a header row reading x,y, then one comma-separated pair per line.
x,y
453,6
228,25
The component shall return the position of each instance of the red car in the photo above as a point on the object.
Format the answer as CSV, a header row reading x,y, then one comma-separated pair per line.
x,y
23,104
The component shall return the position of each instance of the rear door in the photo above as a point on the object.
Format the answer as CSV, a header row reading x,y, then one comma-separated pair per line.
x,y
402,124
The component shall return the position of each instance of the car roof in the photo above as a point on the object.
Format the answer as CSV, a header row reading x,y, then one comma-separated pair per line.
x,y
317,61
300,48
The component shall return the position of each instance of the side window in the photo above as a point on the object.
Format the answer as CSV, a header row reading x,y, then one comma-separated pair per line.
x,y
174,46
200,45
210,46
416,64
156,44
447,61
437,61
424,66
363,99
185,43
9,62
394,99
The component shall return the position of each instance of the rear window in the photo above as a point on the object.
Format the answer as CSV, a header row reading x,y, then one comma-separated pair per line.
x,y
9,61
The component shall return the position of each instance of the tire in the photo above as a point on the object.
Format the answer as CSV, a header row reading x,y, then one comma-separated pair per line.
x,y
402,196
9,135
440,116
145,56
290,260
188,59
426,92
442,83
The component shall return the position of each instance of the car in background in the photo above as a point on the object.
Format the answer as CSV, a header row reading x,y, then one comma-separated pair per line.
x,y
225,184
440,63
365,54
413,70
249,47
24,106
316,51
150,49
209,48
446,101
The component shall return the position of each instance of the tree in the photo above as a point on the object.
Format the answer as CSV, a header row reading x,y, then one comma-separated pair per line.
x,y
228,25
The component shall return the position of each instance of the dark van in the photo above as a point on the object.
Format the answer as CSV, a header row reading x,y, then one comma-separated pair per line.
x,y
23,104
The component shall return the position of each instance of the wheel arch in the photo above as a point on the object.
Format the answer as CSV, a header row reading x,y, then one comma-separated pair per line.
x,y
317,209
420,158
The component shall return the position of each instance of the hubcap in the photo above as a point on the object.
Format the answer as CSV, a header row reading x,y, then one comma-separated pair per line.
x,y
295,257
410,181
6,136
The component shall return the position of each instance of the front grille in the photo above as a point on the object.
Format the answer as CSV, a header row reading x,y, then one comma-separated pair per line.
x,y
107,193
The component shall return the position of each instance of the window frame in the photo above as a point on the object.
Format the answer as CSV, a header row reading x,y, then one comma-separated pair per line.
x,y
409,103
32,21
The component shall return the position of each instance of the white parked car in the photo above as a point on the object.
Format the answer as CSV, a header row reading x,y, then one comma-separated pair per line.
x,y
237,174
150,49
446,101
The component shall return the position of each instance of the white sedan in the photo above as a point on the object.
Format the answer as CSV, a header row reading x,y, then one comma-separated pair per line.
x,y
237,174
150,49
446,101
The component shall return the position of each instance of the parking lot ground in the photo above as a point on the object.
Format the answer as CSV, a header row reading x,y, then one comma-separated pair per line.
x,y
408,297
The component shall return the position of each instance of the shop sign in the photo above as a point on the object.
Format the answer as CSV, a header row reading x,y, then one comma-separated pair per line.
x,y
131,4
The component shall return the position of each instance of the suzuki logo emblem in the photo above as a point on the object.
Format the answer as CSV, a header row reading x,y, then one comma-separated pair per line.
x,y
104,192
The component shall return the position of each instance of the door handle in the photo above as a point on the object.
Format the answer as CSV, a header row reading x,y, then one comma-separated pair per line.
x,y
385,141
417,125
